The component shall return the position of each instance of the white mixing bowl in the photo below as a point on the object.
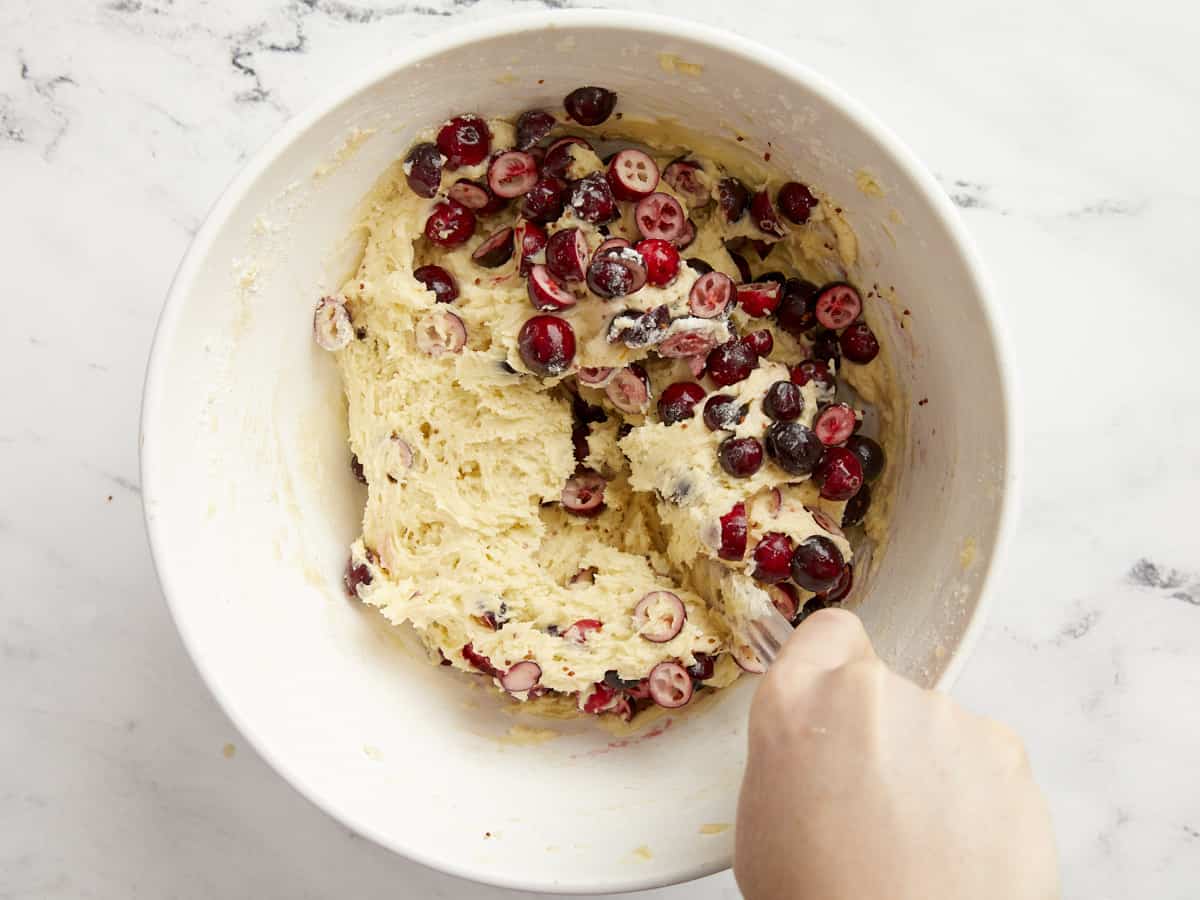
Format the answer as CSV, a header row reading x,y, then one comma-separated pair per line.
x,y
250,506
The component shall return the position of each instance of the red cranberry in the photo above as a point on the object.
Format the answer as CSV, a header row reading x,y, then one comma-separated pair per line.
x,y
496,249
689,181
869,453
842,587
773,558
742,266
567,254
796,202
784,402
856,507
521,677
590,105
629,390
795,448
686,237
660,216
546,292
632,175
785,598
710,295
512,173
733,533
761,342
661,259
758,298
478,660
423,169
702,669
678,401
762,213
559,155
859,344
813,370
595,376
544,201
470,194
593,200
826,347
797,308
740,457
530,240
835,423
532,126
839,474
731,362
838,305
464,141
438,280
724,413
817,563
356,576
659,616
616,274
583,494
692,344
732,197
450,224
670,685
547,345
440,332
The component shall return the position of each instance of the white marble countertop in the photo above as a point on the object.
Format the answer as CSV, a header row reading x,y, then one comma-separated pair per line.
x,y
1067,133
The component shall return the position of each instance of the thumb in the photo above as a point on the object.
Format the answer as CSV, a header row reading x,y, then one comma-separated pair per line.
x,y
826,640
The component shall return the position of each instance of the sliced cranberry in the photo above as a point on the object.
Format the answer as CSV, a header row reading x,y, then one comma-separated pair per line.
x,y
740,457
783,402
869,453
332,328
678,401
856,507
733,533
796,313
795,448
817,563
469,194
567,254
590,105
512,173
724,413
632,175
559,156
762,213
478,660
496,249
464,141
742,266
660,216
659,616
699,266
441,332
532,126
859,344
611,244
423,169
356,576
595,376
703,667
758,298
842,587
547,345
835,423
731,362
773,557
693,342
583,494
577,633
689,181
629,390
450,224
732,197
670,685
530,240
638,330
746,658
838,305
839,474
761,342
784,597
602,699
544,201
546,292
796,201
616,273
826,347
710,295
661,259
687,236
593,200
815,371
521,677
823,520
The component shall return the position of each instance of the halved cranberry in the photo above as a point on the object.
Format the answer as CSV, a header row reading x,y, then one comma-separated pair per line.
x,y
611,244
469,194
824,521
689,181
593,200
590,105
842,587
761,342
423,169
826,347
859,344
815,371
629,391
332,328
796,313
512,173
740,457
762,212
602,699
450,224
632,174
547,345
616,274
686,237
464,141
817,563
733,533
732,197
546,292
773,557
441,332
595,376
783,402
660,216
356,576
678,401
496,249
703,667
758,298
521,677
856,507
742,266
731,362
724,413
839,474
670,685
530,240
638,330
692,340
659,616
835,423
478,660
746,658
710,295
559,156
838,305
583,494
578,631
785,598
532,126
544,201
795,448
796,201
661,259
869,453
567,254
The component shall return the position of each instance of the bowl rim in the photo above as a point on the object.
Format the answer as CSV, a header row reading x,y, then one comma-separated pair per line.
x,y
653,25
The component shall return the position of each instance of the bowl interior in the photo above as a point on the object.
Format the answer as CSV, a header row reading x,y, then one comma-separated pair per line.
x,y
250,505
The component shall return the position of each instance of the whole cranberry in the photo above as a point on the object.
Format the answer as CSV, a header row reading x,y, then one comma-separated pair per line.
x,y
450,224
826,347
796,202
773,558
795,448
464,141
856,507
796,313
590,105
547,345
733,533
593,201
740,457
731,362
724,413
761,342
816,371
544,201
438,280
423,169
783,401
869,453
817,563
839,474
661,259
859,344
678,401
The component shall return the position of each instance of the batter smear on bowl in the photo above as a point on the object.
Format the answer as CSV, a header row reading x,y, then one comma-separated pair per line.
x,y
596,387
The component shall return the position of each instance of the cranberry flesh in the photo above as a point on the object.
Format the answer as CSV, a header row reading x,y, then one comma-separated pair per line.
x,y
740,457
616,274
496,249
869,453
678,401
661,259
794,447
773,558
815,371
590,105
464,141
859,344
839,474
816,564
547,345
512,173
438,280
450,224
838,305
731,362
559,156
423,169
629,391
567,254
856,507
759,298
583,494
724,413
796,202
593,201
532,126
783,402
762,213
544,201
710,295
440,332
659,616
530,240
470,194
546,292
761,342
835,423
521,677
692,344
689,181
632,174
660,216
733,533
785,598
670,685
732,197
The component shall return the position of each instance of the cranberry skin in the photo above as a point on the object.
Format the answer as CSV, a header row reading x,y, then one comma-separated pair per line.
x,y
530,239
760,342
796,202
796,313
784,402
732,197
590,105
724,413
678,401
859,344
567,254
773,558
532,126
613,276
826,347
547,345
496,249
356,467
450,224
702,669
544,201
593,201
740,457
842,587
662,261
464,141
839,474
559,156
730,363
356,576
856,507
795,448
438,280
423,169
816,371
838,305
759,298
816,564
733,533
869,453
762,212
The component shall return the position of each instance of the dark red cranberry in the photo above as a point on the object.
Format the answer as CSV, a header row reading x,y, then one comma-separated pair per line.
x,y
450,224
796,202
702,668
774,276
464,141
817,563
784,402
733,533
547,345
813,370
710,295
356,576
590,105
423,169
512,173
762,213
724,413
842,587
794,447
661,259
740,457
826,347
567,254
616,274
632,175
856,507
835,423
496,249
593,201
438,280
579,440
638,330
559,155
869,453
859,344
678,401
761,342
470,194
660,216
773,558
742,266
532,126
759,298
838,305
546,292
544,201
839,474
478,660
611,244
732,197
530,239
731,362
699,266
796,313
